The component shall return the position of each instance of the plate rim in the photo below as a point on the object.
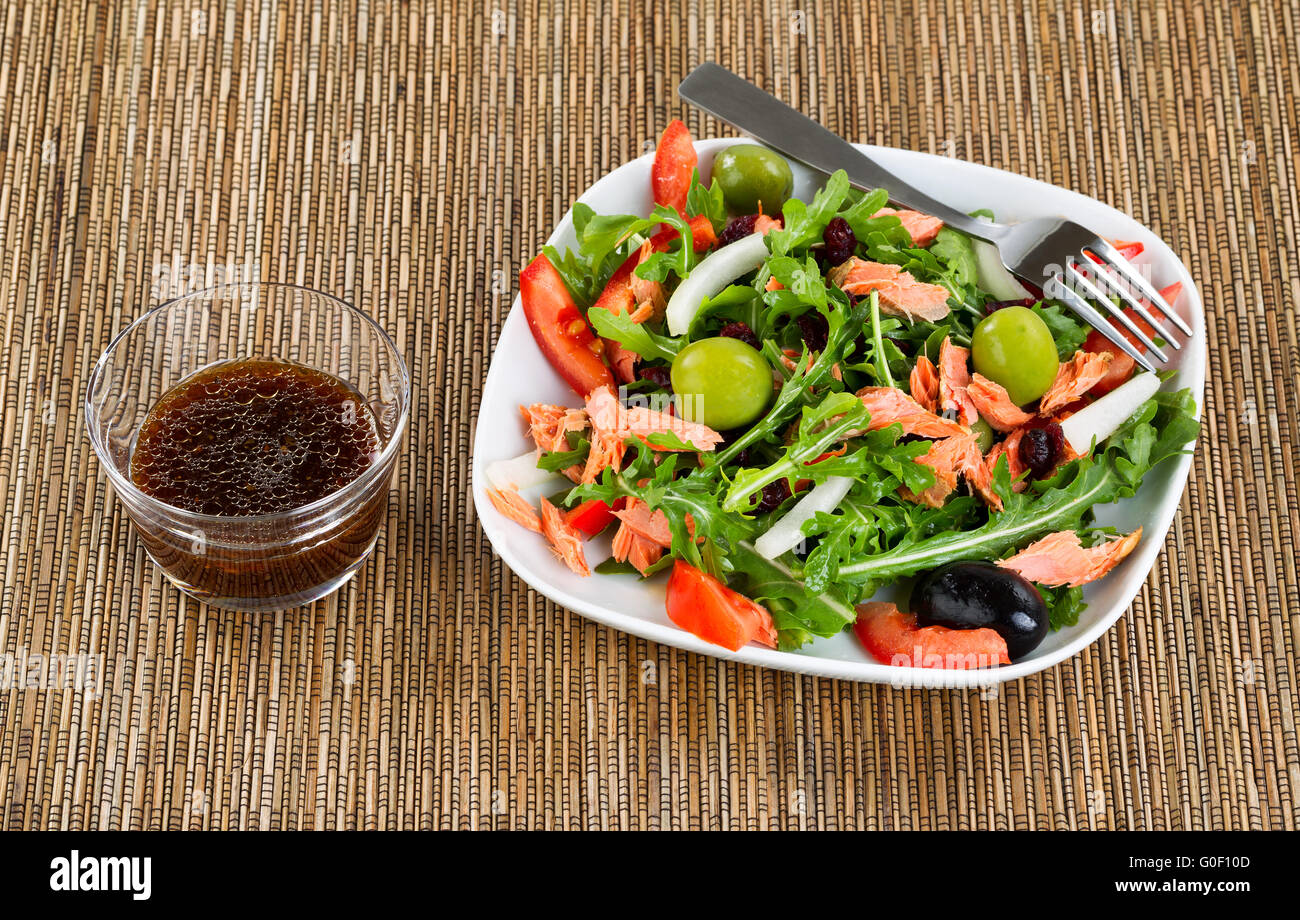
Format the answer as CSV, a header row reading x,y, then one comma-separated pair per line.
x,y
838,668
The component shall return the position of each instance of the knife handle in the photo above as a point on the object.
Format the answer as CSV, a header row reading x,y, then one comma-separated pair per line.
x,y
762,116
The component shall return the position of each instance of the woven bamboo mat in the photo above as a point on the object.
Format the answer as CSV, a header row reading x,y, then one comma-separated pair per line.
x,y
409,159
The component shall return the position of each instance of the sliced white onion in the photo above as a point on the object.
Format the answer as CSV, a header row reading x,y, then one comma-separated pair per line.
x,y
786,533
993,275
710,277
518,473
1099,420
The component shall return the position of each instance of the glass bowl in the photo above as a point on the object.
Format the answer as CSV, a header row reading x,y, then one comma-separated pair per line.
x,y
266,561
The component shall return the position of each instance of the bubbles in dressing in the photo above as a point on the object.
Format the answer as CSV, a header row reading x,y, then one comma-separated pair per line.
x,y
254,437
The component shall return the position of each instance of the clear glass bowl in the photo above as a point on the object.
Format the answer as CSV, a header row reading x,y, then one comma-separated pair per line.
x,y
255,562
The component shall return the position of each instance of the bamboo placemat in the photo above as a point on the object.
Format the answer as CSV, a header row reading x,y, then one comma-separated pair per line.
x,y
409,158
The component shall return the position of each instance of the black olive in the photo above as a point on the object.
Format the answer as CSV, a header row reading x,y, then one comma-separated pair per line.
x,y
973,595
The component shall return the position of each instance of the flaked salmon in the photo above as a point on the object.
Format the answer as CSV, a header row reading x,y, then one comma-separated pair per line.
x,y
922,228
629,546
513,505
1074,378
642,534
995,406
900,293
647,294
924,384
954,382
979,476
1010,448
888,405
652,525
946,459
611,418
1060,559
565,539
548,424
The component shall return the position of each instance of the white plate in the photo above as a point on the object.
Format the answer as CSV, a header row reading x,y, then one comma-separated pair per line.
x,y
519,374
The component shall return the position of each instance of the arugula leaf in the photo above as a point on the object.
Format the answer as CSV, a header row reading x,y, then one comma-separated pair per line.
x,y
634,336
556,460
954,249
799,615
1068,333
690,504
879,458
805,224
1063,606
708,201
734,300
843,327
1058,503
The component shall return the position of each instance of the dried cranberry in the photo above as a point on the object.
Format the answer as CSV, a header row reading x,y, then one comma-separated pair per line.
x,y
656,374
1041,448
773,494
840,241
739,331
994,305
813,329
737,229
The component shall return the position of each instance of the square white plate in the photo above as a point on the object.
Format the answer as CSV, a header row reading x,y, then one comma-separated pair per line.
x,y
520,375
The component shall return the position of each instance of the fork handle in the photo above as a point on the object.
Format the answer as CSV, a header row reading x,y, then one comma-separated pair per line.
x,y
762,116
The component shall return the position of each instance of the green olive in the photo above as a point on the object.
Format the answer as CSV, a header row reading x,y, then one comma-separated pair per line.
x,y
753,178
727,382
983,434
1013,347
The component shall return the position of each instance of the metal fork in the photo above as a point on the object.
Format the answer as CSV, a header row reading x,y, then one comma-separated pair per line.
x,y
1050,253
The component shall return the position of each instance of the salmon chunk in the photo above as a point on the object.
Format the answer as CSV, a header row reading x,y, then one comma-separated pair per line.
x,y
1074,378
511,504
995,406
922,228
946,459
652,525
548,425
609,417
1060,559
900,293
565,539
924,384
888,405
954,382
629,546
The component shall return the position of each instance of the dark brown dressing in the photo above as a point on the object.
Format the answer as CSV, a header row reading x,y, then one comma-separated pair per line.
x,y
254,437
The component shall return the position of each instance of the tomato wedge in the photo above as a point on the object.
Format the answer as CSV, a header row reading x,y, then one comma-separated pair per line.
x,y
704,606
1125,250
675,161
1121,365
560,330
591,517
892,637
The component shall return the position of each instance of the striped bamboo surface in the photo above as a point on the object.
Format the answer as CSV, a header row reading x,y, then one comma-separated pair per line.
x,y
409,158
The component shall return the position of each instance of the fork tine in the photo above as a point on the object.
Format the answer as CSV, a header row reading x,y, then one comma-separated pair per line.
x,y
1083,309
1126,295
1126,271
1103,301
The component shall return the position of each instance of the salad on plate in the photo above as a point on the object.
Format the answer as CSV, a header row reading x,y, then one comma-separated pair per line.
x,y
782,407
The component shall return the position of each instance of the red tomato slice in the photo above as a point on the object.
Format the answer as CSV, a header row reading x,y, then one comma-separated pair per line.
x,y
675,161
1126,250
591,517
560,330
891,637
704,606
1121,365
